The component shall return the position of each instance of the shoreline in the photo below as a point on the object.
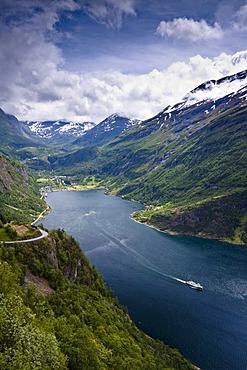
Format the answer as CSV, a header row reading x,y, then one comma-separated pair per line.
x,y
46,211
176,233
168,232
74,189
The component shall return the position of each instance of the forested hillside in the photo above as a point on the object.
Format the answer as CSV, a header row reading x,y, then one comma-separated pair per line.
x,y
57,313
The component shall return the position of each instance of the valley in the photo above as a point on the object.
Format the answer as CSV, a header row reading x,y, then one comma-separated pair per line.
x,y
187,164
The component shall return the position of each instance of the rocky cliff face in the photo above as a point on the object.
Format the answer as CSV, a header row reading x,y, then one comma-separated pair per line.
x,y
70,270
57,254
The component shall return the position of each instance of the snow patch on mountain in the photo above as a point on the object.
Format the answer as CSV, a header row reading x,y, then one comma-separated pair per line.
x,y
50,129
115,120
213,90
240,56
77,128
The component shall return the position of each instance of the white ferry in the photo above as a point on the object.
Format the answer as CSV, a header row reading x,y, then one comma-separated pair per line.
x,y
194,285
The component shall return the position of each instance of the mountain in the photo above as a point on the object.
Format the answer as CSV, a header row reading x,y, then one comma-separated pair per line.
x,y
215,90
57,132
86,133
156,143
190,156
106,130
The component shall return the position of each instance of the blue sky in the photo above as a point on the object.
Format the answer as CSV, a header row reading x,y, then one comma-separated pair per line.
x,y
83,60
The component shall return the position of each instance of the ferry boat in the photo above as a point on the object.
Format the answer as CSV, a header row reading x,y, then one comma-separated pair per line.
x,y
194,285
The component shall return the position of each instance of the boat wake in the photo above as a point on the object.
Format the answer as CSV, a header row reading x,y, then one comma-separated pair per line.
x,y
180,280
137,256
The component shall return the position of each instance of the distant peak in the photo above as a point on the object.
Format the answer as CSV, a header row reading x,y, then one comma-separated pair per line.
x,y
117,115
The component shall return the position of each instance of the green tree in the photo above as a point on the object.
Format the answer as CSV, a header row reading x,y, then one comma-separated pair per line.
x,y
10,232
9,281
23,345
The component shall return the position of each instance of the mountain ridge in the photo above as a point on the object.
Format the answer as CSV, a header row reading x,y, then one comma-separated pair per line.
x,y
106,130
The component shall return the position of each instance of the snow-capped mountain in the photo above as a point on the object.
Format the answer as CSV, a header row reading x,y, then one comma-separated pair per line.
x,y
59,129
210,98
199,107
214,90
107,130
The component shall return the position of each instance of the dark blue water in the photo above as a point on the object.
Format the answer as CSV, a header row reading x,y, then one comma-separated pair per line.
x,y
142,265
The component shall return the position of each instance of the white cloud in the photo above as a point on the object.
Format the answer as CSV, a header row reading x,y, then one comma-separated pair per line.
x,y
53,94
36,86
189,29
240,19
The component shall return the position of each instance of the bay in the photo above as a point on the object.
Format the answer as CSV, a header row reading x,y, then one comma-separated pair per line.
x,y
146,270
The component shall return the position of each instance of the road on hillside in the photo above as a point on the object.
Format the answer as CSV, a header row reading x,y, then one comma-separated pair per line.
x,y
44,234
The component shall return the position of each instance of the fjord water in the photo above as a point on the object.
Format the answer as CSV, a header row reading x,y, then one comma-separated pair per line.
x,y
146,270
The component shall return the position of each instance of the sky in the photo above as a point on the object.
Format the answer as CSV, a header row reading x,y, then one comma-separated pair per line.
x,y
83,60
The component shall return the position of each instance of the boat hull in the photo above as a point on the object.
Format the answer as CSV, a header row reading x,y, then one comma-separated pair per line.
x,y
194,285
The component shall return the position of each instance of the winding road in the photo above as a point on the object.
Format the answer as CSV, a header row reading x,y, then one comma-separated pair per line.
x,y
44,234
